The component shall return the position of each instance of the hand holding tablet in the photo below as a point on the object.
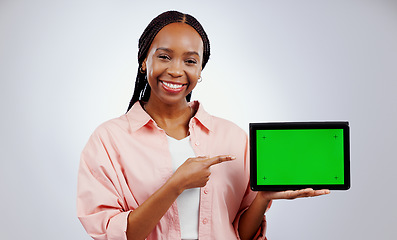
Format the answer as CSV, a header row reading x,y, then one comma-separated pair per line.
x,y
292,194
299,155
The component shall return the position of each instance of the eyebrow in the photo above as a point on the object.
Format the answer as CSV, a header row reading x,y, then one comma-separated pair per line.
x,y
186,53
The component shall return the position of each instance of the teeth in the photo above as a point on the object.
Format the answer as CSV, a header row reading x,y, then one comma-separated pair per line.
x,y
172,85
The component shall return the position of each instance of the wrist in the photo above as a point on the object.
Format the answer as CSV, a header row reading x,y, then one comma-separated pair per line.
x,y
264,196
175,185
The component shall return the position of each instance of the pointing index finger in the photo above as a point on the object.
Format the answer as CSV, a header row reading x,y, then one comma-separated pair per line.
x,y
219,159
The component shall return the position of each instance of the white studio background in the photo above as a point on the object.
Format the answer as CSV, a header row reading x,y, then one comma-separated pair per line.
x,y
67,66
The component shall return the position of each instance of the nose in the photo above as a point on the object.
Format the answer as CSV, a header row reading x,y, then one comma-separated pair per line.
x,y
175,69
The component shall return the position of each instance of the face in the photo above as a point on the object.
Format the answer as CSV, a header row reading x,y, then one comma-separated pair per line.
x,y
173,63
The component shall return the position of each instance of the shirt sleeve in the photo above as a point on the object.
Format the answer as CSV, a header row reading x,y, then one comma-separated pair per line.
x,y
249,197
100,203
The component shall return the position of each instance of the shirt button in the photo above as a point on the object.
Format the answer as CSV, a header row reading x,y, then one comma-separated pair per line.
x,y
205,221
197,143
205,191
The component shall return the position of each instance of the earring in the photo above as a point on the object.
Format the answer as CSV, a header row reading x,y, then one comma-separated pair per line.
x,y
141,70
199,80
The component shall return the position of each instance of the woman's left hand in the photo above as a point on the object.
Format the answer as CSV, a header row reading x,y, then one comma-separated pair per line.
x,y
292,194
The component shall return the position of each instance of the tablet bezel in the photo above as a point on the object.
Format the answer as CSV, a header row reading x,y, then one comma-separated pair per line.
x,y
253,127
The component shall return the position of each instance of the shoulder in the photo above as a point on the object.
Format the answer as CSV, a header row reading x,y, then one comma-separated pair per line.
x,y
226,131
112,127
221,124
104,140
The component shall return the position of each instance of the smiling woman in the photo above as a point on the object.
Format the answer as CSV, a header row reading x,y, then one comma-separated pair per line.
x,y
173,64
142,88
167,169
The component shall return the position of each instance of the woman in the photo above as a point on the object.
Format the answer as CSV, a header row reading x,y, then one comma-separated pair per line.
x,y
167,169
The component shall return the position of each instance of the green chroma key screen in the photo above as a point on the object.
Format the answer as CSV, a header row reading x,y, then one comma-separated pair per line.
x,y
299,155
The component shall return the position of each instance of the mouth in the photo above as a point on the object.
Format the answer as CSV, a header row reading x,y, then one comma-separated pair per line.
x,y
173,87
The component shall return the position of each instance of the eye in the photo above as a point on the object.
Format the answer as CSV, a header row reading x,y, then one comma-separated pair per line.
x,y
164,57
191,61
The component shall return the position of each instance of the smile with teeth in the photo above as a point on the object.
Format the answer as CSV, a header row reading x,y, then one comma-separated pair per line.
x,y
173,86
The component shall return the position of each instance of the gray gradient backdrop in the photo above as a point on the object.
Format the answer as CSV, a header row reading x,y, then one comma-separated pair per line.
x,y
67,66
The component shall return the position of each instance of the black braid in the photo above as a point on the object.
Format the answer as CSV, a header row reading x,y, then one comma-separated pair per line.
x,y
142,88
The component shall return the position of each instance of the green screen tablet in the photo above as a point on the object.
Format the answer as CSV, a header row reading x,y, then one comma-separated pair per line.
x,y
297,155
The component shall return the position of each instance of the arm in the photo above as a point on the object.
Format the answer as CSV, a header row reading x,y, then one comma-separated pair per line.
x,y
193,173
101,205
251,219
104,214
143,219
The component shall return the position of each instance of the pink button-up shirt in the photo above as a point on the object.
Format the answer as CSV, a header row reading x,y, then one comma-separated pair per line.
x,y
127,159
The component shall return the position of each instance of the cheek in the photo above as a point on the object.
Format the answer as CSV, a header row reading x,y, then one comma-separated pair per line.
x,y
194,74
153,70
193,78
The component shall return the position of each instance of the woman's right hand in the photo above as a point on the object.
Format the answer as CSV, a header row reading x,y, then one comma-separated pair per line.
x,y
195,172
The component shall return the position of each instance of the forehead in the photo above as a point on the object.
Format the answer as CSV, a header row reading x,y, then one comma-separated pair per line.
x,y
178,35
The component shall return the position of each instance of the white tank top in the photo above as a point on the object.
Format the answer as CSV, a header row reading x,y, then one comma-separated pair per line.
x,y
188,202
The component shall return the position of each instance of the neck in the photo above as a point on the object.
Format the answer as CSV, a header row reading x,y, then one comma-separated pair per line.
x,y
172,118
166,111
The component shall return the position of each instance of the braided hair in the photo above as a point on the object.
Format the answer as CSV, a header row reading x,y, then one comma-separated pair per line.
x,y
142,88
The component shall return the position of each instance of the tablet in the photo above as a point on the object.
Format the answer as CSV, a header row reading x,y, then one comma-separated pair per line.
x,y
298,155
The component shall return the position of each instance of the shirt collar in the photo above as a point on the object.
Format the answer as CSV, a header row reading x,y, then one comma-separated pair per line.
x,y
201,115
138,117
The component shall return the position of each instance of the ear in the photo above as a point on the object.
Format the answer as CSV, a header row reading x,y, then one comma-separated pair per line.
x,y
144,65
